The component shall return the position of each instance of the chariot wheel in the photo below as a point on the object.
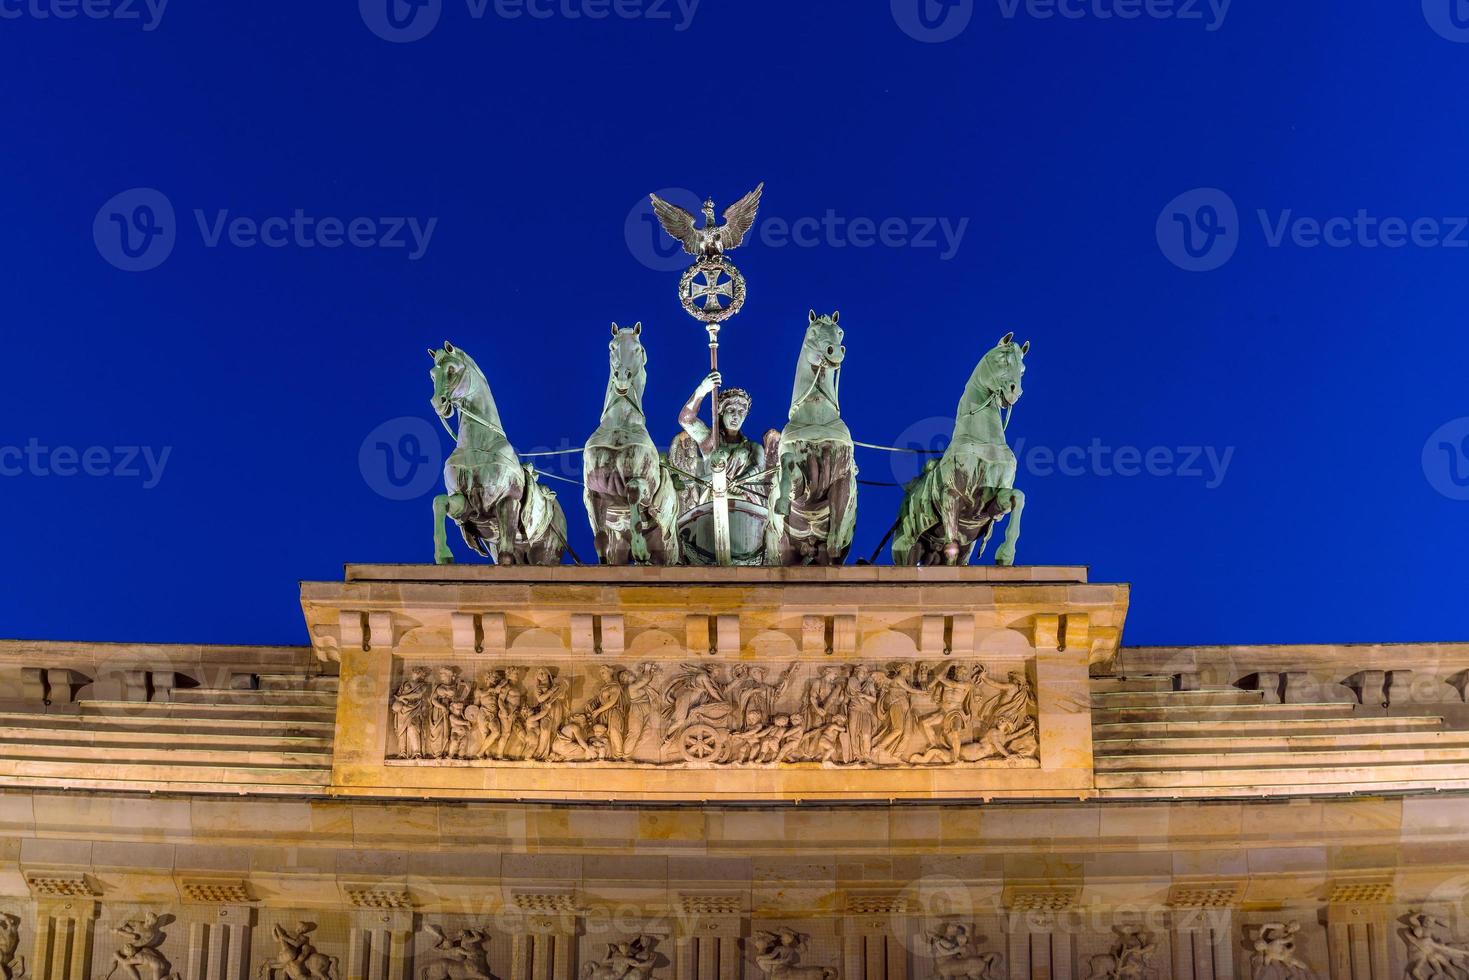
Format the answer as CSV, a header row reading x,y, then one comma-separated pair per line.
x,y
701,743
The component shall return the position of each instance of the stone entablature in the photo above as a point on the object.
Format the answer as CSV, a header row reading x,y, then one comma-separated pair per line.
x,y
736,684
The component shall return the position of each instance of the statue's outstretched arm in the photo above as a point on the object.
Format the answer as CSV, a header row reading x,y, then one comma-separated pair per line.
x,y
688,417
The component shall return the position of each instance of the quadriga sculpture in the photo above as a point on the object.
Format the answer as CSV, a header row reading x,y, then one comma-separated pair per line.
x,y
815,497
501,509
630,496
954,503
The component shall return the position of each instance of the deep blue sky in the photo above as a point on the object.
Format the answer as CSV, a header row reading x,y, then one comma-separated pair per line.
x,y
261,371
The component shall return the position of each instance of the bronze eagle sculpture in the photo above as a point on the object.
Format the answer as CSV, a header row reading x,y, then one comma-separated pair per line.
x,y
710,240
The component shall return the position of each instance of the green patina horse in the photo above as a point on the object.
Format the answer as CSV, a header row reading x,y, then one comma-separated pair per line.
x,y
815,497
631,499
953,505
502,510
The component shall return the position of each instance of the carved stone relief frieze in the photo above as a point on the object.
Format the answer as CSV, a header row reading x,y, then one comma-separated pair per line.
x,y
778,954
1431,954
139,956
955,958
1130,958
1275,956
12,964
461,956
710,714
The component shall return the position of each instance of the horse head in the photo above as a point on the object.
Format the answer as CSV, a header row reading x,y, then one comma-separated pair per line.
x,y
823,344
628,362
822,353
1000,371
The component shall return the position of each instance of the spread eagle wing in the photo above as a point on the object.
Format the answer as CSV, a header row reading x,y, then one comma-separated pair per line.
x,y
739,217
678,223
441,940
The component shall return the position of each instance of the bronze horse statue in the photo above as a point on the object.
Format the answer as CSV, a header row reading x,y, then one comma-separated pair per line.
x,y
815,497
502,510
953,505
629,491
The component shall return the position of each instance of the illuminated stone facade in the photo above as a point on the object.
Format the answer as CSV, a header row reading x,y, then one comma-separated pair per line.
x,y
862,773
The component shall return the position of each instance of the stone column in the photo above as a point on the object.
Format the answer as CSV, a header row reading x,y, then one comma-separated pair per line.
x,y
707,947
220,950
64,933
1201,943
380,946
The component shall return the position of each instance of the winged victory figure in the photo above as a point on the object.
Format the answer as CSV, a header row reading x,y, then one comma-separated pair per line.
x,y
710,240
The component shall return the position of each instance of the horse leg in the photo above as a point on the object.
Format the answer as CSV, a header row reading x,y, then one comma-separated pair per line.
x,y
508,512
783,486
445,506
949,520
638,518
1013,501
838,499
